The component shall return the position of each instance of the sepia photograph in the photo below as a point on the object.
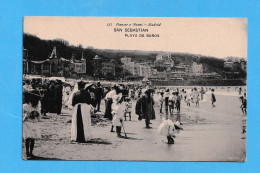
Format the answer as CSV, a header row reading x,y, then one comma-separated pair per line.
x,y
134,89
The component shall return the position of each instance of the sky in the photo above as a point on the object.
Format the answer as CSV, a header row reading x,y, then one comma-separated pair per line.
x,y
218,37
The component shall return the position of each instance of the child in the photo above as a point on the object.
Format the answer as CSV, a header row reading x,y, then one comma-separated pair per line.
x,y
118,113
244,104
185,95
178,102
128,108
171,103
161,100
191,96
166,128
31,131
188,99
213,98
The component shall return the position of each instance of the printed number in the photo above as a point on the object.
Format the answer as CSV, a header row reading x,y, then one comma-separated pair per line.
x,y
109,24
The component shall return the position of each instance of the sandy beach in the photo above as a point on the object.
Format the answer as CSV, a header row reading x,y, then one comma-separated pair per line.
x,y
210,134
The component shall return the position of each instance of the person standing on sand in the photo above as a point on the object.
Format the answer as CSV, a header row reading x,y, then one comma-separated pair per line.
x,y
196,96
166,101
213,98
147,107
118,111
109,101
31,131
81,118
98,93
178,102
171,103
161,100
59,88
202,92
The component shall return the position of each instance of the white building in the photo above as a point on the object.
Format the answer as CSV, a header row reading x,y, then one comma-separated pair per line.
x,y
126,60
196,68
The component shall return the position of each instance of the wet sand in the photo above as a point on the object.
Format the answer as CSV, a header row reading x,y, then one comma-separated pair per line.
x,y
210,134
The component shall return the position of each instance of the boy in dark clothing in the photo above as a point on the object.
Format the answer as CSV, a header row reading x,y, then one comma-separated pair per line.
x,y
138,109
98,94
178,102
213,98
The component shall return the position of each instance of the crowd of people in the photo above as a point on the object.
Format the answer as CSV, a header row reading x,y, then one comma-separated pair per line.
x,y
85,100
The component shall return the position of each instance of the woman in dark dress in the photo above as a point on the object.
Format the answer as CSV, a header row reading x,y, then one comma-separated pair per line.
x,y
147,107
81,118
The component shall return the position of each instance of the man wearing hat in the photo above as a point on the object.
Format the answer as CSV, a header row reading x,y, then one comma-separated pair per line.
x,y
58,89
51,97
98,94
147,107
166,100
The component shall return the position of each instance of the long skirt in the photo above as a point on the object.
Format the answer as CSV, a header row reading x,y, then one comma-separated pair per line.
x,y
153,114
108,109
81,123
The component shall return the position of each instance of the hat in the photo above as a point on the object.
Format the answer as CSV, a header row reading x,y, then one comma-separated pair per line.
x,y
88,85
81,84
52,81
59,81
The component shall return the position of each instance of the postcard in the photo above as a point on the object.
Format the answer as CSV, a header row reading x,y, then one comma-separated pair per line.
x,y
134,88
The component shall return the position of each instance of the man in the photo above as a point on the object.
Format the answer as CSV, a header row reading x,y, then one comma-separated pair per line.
x,y
147,107
58,89
166,101
51,97
98,93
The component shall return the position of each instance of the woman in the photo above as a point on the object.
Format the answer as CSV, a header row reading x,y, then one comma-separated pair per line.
x,y
118,111
81,118
109,102
196,96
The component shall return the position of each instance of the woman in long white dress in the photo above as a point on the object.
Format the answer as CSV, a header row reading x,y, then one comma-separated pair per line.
x,y
118,111
81,119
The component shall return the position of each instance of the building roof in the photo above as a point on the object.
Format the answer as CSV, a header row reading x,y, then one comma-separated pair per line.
x,y
97,57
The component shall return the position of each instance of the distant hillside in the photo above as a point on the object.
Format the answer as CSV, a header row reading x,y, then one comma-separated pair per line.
x,y
211,63
41,49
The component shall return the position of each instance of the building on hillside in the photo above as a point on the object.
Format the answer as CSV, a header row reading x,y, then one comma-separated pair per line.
x,y
163,62
182,66
145,71
243,64
55,65
232,65
196,68
108,68
126,60
97,61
